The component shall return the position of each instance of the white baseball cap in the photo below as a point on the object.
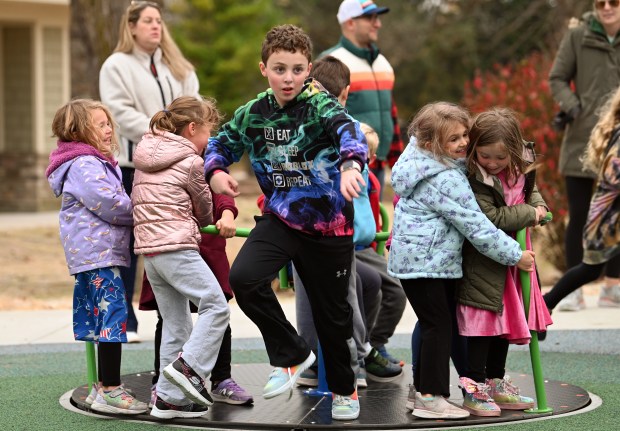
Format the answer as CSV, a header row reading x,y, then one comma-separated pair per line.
x,y
355,8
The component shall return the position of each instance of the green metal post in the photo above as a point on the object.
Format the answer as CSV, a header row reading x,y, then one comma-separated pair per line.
x,y
539,383
91,365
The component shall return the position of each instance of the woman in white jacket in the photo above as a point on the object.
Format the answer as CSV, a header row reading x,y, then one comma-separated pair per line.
x,y
145,73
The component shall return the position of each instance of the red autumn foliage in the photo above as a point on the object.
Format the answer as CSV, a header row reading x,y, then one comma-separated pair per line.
x,y
524,87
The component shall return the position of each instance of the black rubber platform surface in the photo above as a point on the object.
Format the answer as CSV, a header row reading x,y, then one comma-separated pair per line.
x,y
382,405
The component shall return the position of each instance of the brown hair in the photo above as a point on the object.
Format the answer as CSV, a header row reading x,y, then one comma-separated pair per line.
x,y
286,37
171,54
184,110
432,124
332,73
493,126
73,122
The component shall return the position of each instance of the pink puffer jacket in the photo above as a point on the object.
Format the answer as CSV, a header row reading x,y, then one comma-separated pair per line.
x,y
170,197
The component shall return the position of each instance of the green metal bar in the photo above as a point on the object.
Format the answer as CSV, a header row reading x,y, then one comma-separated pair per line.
x,y
539,382
382,236
91,365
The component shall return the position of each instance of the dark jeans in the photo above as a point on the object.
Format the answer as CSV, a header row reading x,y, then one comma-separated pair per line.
x,y
579,193
324,267
128,274
430,299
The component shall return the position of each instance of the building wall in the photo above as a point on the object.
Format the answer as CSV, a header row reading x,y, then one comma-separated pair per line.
x,y
34,82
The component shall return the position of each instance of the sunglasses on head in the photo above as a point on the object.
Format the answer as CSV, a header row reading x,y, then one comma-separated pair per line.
x,y
600,4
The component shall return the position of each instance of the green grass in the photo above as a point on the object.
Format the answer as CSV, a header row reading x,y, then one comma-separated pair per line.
x,y
32,384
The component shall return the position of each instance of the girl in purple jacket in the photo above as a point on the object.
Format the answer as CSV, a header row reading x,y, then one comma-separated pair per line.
x,y
95,222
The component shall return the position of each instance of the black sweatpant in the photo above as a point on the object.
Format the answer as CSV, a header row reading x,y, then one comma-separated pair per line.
x,y
579,193
486,358
324,266
429,298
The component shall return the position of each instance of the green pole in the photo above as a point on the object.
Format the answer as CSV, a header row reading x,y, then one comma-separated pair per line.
x,y
539,383
91,365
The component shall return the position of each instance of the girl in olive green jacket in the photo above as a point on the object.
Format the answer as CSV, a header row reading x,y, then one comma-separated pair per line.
x,y
490,310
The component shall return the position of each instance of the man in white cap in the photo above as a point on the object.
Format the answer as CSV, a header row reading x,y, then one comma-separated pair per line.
x,y
372,78
370,101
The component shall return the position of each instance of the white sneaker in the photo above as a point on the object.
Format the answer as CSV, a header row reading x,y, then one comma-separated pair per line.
x,y
133,337
573,302
437,407
609,297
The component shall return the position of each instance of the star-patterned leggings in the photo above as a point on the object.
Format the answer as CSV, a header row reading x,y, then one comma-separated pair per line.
x,y
99,306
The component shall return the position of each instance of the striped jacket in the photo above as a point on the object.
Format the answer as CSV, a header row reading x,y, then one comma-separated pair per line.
x,y
370,97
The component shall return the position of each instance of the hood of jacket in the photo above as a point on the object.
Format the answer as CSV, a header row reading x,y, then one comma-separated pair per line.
x,y
424,166
160,150
68,152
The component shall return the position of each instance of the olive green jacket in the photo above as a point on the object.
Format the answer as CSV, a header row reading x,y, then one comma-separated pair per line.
x,y
587,58
482,285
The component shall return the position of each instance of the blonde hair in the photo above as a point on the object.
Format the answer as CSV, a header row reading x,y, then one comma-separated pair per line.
x,y
179,66
184,110
493,126
371,138
432,124
602,132
73,122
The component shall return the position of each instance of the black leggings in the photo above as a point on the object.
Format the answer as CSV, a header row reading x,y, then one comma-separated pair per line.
x,y
579,192
572,280
109,359
486,358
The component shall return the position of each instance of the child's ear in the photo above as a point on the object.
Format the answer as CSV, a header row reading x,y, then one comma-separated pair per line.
x,y
263,68
344,95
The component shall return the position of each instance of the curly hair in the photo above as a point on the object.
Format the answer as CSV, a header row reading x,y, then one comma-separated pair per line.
x,y
609,118
286,37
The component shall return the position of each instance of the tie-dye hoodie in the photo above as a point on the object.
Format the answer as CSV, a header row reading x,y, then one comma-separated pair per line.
x,y
295,152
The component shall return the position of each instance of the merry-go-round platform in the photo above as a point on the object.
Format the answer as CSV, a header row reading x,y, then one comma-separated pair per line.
x,y
382,405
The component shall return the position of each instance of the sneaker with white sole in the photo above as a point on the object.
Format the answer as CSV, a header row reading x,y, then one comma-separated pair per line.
x,y
345,408
411,398
92,395
180,374
573,302
383,352
166,410
309,377
379,369
229,392
437,407
117,401
609,297
477,400
133,337
506,395
283,379
361,378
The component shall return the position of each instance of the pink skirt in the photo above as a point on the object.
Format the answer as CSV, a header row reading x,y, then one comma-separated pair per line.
x,y
511,323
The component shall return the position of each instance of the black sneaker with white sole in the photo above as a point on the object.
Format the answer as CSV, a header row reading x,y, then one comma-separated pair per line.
x,y
185,378
165,410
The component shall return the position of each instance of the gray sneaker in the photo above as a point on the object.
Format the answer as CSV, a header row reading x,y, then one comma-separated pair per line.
x,y
379,369
573,302
437,407
609,297
411,398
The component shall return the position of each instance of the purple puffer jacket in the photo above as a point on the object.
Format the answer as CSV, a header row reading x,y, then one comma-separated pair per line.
x,y
95,214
